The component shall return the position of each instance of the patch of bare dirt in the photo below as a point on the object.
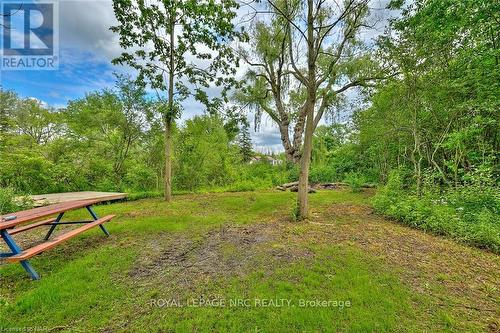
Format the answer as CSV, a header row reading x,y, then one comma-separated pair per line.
x,y
343,210
227,251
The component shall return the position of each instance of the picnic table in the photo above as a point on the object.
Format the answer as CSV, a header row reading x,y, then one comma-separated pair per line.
x,y
14,223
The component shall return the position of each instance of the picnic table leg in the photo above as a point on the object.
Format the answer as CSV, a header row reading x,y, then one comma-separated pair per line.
x,y
16,250
53,226
96,217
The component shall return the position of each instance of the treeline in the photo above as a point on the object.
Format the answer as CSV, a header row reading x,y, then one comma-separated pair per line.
x,y
112,140
433,131
100,142
440,116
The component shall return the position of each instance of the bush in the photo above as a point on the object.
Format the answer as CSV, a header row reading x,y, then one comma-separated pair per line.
x,y
265,175
6,200
355,181
26,172
467,214
204,155
141,178
322,174
9,203
243,186
143,195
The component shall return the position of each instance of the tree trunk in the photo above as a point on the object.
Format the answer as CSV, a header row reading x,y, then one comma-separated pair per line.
x,y
168,160
169,117
305,163
305,160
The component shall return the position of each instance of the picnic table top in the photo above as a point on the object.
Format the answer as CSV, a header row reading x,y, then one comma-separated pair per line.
x,y
56,208
53,198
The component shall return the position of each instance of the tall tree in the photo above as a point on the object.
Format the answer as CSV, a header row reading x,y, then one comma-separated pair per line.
x,y
33,119
8,102
302,61
179,47
111,121
245,143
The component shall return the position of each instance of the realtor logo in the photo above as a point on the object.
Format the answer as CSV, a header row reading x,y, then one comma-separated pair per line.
x,y
29,36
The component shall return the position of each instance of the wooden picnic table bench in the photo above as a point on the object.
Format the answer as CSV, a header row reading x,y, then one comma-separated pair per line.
x,y
14,223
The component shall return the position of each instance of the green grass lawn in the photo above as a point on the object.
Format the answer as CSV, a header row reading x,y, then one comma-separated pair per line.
x,y
235,262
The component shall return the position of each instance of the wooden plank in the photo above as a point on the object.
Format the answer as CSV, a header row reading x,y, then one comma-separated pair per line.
x,y
26,254
41,212
53,198
30,226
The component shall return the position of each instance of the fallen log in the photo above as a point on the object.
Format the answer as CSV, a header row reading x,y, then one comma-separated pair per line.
x,y
288,185
328,186
296,189
293,186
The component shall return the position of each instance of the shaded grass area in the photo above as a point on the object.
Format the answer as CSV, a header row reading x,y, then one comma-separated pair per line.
x,y
184,266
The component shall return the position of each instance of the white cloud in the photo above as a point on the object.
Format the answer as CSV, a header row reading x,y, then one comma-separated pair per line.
x,y
85,25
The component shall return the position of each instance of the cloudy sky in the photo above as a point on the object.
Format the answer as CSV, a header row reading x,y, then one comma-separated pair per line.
x,y
86,47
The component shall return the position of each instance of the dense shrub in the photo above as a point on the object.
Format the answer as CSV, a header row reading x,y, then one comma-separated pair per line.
x,y
140,178
9,202
204,154
468,214
6,200
355,181
26,172
143,195
245,186
267,174
323,174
